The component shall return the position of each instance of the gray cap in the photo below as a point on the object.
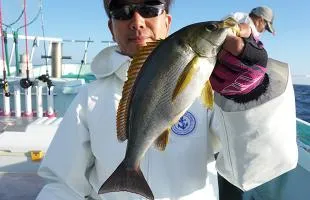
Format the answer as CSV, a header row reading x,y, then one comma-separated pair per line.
x,y
267,14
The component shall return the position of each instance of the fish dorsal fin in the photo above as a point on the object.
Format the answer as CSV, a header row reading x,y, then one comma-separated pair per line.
x,y
162,141
186,77
207,95
132,74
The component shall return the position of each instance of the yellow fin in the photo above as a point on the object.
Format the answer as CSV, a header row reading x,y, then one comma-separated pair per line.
x,y
162,141
230,22
227,23
186,77
132,73
207,95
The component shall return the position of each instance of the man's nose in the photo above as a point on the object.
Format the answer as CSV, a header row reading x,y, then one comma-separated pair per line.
x,y
137,21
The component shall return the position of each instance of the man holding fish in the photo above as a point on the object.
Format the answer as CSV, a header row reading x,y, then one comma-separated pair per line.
x,y
140,131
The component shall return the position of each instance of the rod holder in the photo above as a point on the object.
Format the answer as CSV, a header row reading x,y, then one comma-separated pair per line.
x,y
6,105
17,102
28,103
50,102
39,102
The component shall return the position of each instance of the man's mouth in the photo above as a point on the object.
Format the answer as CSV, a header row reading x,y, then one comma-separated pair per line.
x,y
138,39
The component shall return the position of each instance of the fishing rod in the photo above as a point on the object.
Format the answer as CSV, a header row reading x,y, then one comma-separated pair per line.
x,y
25,82
6,40
83,61
45,77
16,35
3,82
43,34
14,22
5,34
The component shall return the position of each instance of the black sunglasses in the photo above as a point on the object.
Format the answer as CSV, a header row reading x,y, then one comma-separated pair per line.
x,y
147,11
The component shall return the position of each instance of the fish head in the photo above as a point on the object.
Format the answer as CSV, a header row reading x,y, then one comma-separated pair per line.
x,y
207,37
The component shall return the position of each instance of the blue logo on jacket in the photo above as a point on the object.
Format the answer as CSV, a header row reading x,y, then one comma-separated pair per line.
x,y
186,124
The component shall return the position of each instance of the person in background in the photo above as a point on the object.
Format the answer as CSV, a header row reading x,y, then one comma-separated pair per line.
x,y
243,61
251,26
85,150
259,20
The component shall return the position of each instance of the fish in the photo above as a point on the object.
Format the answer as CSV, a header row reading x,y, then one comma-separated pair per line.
x,y
164,79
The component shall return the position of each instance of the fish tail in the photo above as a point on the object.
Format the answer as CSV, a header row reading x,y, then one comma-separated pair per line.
x,y
123,179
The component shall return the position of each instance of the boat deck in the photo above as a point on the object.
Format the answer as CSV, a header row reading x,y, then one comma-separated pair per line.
x,y
21,186
26,186
19,181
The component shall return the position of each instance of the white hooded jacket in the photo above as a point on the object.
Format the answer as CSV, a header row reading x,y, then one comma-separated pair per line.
x,y
257,141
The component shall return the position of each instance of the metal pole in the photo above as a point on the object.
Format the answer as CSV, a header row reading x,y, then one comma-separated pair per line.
x,y
7,53
23,66
17,72
12,54
56,59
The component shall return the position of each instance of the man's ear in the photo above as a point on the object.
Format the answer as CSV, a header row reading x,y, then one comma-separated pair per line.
x,y
168,22
111,28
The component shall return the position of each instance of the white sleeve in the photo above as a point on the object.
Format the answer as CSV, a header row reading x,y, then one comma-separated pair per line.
x,y
69,157
258,138
238,16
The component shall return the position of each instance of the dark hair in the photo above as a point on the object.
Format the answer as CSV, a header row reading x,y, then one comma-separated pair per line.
x,y
168,5
253,16
108,4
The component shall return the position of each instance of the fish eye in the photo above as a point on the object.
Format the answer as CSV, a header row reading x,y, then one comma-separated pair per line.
x,y
211,27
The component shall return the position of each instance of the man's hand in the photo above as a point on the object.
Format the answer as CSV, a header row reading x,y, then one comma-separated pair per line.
x,y
234,45
240,71
245,30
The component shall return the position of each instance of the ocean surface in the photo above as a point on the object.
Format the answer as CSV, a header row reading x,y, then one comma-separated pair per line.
x,y
302,98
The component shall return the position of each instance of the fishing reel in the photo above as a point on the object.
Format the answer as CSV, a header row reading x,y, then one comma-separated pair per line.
x,y
25,83
5,86
46,79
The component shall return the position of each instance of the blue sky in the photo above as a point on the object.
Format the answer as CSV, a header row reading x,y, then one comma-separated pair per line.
x,y
81,19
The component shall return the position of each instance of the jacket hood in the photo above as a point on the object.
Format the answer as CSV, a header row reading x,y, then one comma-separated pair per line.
x,y
110,61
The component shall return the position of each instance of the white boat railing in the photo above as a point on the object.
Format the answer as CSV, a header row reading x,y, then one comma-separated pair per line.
x,y
37,39
303,133
31,73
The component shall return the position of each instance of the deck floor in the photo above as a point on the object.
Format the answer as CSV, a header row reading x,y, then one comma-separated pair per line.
x,y
20,186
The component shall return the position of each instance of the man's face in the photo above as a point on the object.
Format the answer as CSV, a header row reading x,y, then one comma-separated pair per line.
x,y
261,25
136,31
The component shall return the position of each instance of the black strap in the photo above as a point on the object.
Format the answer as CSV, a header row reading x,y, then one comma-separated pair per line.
x,y
253,52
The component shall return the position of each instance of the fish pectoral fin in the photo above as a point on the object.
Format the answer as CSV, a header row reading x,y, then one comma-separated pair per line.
x,y
207,96
162,141
186,77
